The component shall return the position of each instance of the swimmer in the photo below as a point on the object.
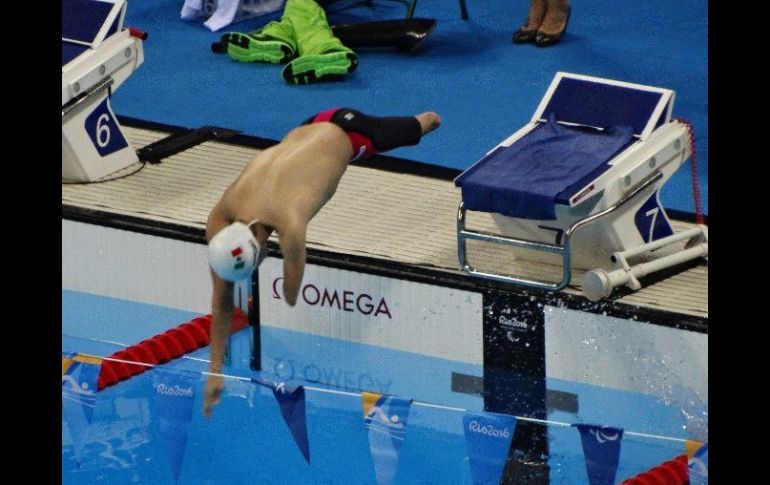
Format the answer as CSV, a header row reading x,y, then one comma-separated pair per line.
x,y
281,190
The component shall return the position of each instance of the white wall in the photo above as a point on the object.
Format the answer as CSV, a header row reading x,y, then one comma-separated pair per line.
x,y
387,312
133,266
626,354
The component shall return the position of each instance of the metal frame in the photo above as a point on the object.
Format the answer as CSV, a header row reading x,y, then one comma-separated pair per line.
x,y
93,91
564,249
599,283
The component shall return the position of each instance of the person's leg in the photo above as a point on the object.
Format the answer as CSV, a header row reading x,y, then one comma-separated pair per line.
x,y
554,23
372,134
322,56
429,121
528,31
274,43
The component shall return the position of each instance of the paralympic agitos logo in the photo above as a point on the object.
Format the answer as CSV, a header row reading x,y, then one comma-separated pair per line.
x,y
345,300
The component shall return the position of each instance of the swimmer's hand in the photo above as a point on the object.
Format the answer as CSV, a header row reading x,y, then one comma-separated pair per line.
x,y
212,394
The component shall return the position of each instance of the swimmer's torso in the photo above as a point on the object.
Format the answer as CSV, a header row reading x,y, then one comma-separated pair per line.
x,y
291,180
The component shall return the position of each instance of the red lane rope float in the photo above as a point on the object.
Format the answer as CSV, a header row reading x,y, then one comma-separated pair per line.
x,y
169,345
672,472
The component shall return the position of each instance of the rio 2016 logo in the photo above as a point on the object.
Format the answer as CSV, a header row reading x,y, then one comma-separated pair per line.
x,y
175,390
488,430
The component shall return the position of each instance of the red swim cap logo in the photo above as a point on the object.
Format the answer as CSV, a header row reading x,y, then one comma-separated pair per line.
x,y
236,253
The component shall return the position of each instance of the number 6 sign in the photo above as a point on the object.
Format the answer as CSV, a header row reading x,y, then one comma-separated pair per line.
x,y
104,131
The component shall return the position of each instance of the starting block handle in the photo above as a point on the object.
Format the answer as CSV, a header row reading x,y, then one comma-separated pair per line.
x,y
598,283
95,90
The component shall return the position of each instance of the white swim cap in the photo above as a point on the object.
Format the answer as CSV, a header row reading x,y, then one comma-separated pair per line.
x,y
234,252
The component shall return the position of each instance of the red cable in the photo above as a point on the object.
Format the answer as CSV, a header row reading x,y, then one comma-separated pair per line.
x,y
694,171
169,345
672,472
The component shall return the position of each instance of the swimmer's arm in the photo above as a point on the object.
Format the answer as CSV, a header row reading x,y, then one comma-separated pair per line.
x,y
218,219
221,320
222,296
292,241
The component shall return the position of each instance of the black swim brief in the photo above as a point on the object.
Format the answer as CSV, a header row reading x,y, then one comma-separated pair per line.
x,y
371,134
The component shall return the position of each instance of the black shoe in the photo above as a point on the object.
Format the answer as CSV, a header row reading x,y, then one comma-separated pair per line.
x,y
522,36
544,40
313,68
403,34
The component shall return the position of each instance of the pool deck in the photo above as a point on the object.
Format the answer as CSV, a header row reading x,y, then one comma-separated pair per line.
x,y
385,216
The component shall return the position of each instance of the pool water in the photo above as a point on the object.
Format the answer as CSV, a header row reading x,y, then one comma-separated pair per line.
x,y
247,440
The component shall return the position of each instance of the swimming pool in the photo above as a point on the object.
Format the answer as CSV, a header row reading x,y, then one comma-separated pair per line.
x,y
449,348
247,440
